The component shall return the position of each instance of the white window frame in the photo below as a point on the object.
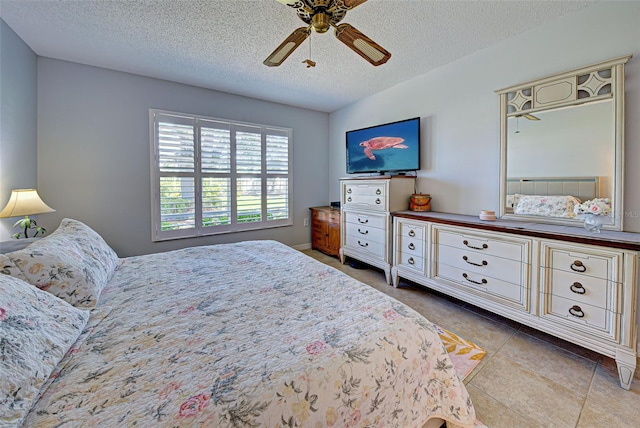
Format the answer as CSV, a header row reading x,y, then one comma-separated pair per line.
x,y
199,230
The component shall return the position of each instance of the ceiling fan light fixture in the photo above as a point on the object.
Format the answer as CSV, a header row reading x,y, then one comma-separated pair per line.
x,y
320,22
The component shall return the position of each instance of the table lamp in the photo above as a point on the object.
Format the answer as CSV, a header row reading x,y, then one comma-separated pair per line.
x,y
25,202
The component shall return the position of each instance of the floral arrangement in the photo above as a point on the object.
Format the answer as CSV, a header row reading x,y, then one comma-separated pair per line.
x,y
597,206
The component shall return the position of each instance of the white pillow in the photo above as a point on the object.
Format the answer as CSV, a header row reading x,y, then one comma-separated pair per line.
x,y
547,206
37,329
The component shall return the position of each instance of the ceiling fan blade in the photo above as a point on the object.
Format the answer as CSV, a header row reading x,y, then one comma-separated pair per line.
x,y
289,44
350,4
362,45
292,3
531,117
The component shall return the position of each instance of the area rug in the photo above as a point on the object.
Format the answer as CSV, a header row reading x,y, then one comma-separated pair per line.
x,y
465,355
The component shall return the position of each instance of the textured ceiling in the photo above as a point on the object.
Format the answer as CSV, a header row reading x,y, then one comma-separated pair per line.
x,y
220,44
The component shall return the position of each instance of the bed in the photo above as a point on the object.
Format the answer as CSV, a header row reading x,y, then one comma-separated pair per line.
x,y
231,335
560,194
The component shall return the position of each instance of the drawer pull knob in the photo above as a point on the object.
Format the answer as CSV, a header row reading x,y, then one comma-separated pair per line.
x,y
411,261
378,201
378,192
466,259
578,266
361,232
349,190
577,288
411,246
412,233
365,221
484,281
366,244
576,311
484,246
349,199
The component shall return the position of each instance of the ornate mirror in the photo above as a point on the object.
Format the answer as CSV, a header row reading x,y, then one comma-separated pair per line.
x,y
562,145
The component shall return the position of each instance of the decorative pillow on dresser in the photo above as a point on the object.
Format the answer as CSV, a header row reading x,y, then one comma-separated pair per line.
x,y
547,206
37,330
74,263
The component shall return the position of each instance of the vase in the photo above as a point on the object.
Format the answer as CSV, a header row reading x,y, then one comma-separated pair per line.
x,y
593,223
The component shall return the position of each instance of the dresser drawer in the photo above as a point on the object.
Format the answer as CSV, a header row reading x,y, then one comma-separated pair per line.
x,y
320,228
379,221
486,284
410,245
580,315
375,203
581,263
365,195
367,188
328,216
360,231
411,231
481,243
582,289
373,248
411,261
483,264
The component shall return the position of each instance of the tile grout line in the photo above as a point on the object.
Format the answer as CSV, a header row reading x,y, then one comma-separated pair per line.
x,y
586,397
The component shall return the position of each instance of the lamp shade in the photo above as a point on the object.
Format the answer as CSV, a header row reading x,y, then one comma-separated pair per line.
x,y
24,202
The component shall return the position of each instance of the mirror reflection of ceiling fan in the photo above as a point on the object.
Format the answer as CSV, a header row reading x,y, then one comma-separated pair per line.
x,y
528,116
321,15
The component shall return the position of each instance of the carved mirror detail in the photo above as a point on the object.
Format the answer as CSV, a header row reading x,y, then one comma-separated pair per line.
x,y
562,144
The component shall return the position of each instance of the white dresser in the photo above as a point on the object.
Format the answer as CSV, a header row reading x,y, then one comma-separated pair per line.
x,y
366,204
562,280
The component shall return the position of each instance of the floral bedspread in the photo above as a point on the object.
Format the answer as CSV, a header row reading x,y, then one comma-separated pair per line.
x,y
246,335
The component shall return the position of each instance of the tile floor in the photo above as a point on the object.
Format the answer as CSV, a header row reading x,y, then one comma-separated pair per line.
x,y
528,378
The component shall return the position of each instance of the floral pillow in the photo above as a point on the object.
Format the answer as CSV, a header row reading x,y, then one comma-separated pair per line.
x,y
90,242
74,263
7,267
36,329
547,206
512,200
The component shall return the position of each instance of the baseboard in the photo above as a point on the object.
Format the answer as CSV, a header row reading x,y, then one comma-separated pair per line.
x,y
302,247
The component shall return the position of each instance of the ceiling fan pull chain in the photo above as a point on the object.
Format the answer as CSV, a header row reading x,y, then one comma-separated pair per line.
x,y
310,63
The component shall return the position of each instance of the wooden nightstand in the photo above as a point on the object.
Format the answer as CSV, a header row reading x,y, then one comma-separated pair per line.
x,y
325,230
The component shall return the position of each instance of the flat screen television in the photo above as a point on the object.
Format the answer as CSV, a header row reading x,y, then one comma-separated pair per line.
x,y
391,147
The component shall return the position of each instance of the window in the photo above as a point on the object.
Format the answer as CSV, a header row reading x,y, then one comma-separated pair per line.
x,y
213,176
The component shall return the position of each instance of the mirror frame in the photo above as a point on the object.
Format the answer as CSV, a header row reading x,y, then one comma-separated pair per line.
x,y
562,90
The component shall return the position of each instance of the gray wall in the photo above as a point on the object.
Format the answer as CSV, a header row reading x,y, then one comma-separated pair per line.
x,y
18,120
460,110
93,151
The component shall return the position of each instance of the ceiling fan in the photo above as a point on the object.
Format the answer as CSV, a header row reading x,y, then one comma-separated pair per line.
x,y
321,15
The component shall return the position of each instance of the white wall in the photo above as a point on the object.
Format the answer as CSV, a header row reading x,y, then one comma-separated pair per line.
x,y
460,110
18,119
93,151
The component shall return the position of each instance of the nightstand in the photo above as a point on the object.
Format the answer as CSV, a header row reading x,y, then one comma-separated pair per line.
x,y
325,230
